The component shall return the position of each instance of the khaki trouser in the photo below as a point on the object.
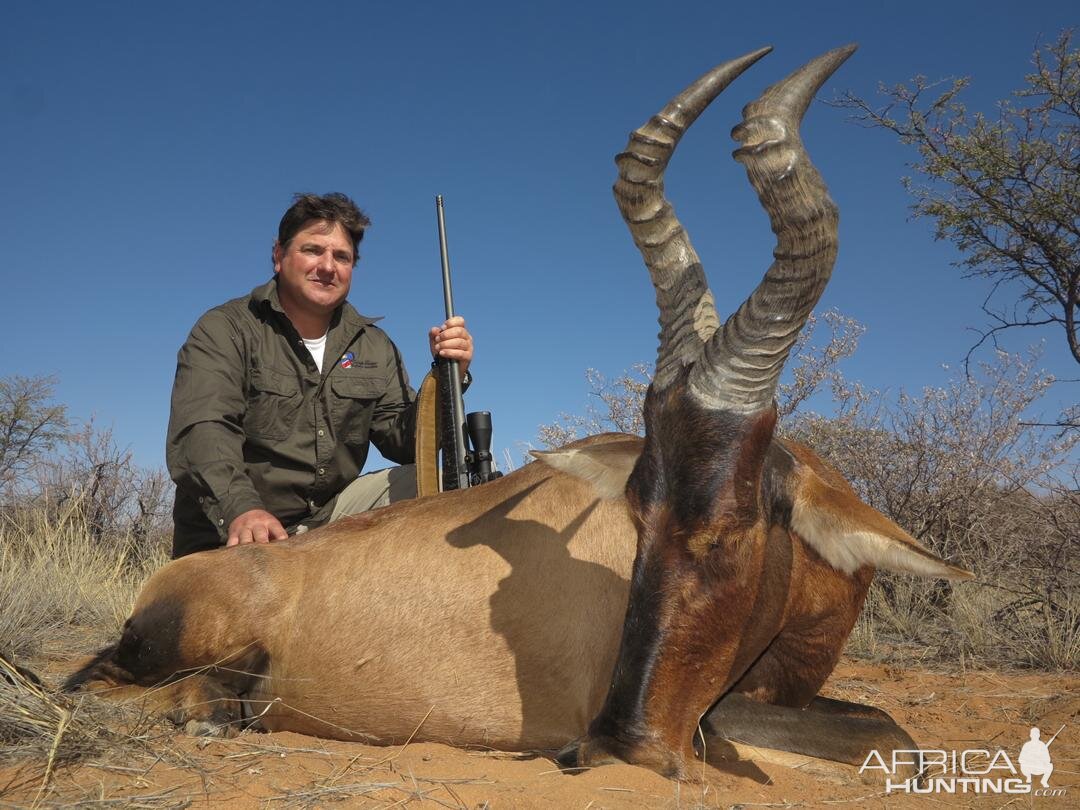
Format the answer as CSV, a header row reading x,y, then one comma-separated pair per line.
x,y
375,489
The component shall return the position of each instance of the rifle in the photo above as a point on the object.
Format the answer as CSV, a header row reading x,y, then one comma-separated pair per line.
x,y
460,467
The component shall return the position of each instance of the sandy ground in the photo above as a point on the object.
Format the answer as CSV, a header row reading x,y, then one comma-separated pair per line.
x,y
950,711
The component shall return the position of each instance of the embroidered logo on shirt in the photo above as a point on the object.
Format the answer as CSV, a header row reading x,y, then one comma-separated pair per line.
x,y
346,359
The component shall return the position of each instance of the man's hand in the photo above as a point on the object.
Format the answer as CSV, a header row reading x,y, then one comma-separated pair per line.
x,y
255,526
452,341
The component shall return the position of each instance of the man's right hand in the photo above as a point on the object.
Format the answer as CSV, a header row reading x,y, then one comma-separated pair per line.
x,y
255,526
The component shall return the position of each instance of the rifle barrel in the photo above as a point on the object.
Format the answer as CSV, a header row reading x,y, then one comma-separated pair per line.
x,y
448,293
455,465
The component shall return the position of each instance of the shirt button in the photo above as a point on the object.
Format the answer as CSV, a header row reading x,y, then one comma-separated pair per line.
x,y
322,470
221,522
322,432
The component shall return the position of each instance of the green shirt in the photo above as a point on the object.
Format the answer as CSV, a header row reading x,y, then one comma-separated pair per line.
x,y
254,425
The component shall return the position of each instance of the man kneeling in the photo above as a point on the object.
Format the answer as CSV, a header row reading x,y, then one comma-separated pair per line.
x,y
279,393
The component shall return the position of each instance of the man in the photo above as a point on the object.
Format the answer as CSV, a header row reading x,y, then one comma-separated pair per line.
x,y
278,393
1035,758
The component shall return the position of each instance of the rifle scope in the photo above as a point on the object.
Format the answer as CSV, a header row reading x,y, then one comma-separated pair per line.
x,y
479,460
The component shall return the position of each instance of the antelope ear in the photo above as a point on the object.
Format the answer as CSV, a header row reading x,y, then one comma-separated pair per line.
x,y
848,533
606,466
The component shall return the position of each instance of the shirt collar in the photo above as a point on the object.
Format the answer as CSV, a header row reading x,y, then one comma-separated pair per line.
x,y
267,295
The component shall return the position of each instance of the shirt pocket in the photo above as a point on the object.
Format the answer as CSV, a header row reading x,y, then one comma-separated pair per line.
x,y
274,403
354,404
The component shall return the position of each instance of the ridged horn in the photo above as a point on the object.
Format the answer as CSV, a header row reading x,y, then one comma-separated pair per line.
x,y
744,358
687,312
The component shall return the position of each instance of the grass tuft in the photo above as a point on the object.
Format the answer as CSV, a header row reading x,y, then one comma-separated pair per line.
x,y
59,588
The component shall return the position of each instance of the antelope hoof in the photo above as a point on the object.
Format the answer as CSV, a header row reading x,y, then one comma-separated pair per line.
x,y
205,728
567,756
595,751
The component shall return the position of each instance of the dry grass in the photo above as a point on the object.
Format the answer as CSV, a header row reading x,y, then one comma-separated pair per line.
x,y
59,589
42,732
61,596
908,620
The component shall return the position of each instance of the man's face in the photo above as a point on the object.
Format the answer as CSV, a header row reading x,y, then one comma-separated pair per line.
x,y
315,269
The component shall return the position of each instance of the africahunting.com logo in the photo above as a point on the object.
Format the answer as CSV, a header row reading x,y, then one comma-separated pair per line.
x,y
975,770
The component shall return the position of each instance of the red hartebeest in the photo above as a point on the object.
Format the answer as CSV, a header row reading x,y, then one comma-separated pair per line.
x,y
706,576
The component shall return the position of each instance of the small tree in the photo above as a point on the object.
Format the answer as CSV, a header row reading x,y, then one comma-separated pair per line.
x,y
1004,190
31,426
614,405
48,467
119,501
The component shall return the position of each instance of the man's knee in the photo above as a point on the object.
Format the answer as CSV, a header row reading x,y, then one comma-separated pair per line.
x,y
376,489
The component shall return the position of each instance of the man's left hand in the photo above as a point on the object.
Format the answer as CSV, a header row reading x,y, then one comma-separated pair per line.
x,y
453,342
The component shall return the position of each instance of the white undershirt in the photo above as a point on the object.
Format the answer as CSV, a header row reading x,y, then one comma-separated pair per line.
x,y
317,347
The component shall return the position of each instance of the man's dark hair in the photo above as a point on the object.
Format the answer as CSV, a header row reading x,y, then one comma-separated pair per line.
x,y
332,207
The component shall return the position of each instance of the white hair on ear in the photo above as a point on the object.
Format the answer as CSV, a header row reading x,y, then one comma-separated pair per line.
x,y
846,546
606,466
848,533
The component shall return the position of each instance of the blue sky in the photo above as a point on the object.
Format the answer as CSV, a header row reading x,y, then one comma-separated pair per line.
x,y
147,152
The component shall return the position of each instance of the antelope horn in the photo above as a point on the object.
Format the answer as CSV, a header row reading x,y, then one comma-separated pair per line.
x,y
687,312
743,360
